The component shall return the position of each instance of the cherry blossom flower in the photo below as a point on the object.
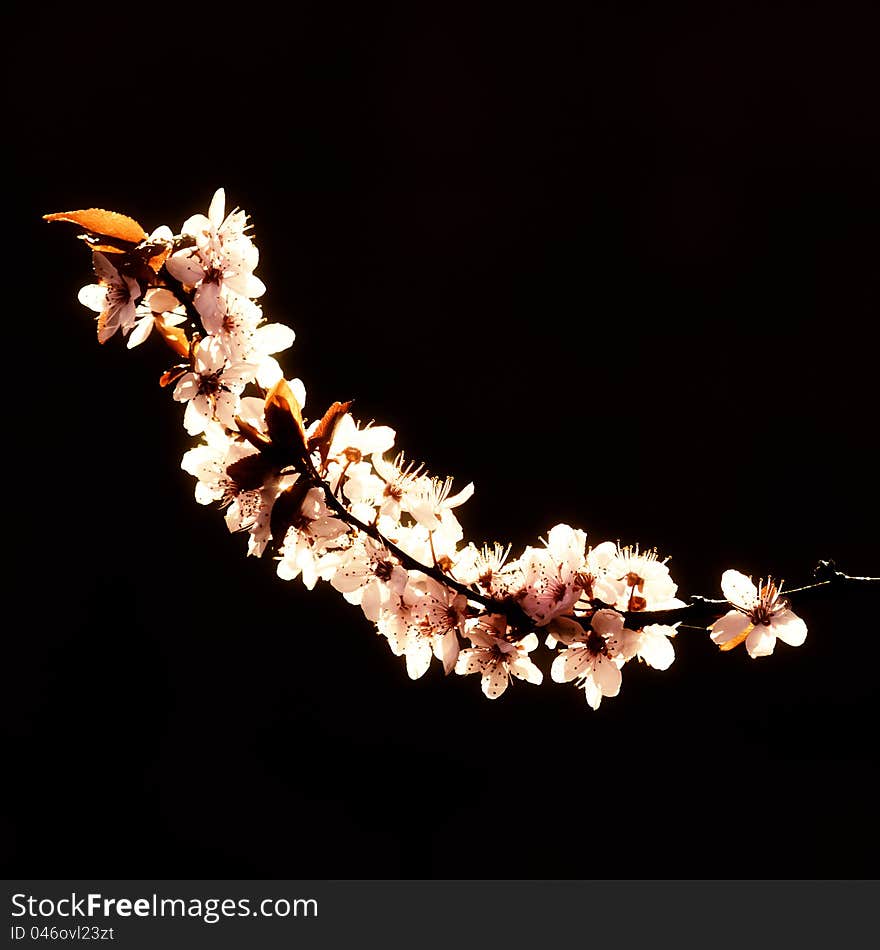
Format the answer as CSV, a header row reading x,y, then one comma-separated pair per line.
x,y
428,547
633,580
351,447
237,323
397,475
351,443
552,582
311,532
208,463
233,323
267,341
654,645
212,387
440,613
222,257
158,304
113,298
407,637
247,509
592,656
487,567
760,615
428,500
366,574
362,487
495,657
595,567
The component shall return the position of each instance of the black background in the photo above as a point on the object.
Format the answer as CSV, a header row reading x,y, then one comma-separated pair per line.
x,y
618,267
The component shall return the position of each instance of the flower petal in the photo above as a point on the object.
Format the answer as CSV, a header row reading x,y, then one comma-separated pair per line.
x,y
140,332
761,641
495,680
655,647
216,211
93,296
607,623
789,628
418,657
522,668
570,664
273,338
592,692
607,676
731,626
185,267
739,589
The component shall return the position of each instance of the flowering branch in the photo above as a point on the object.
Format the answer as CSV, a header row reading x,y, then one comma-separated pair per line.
x,y
707,608
328,504
517,618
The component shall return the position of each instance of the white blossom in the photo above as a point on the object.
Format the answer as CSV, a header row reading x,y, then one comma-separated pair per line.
x,y
307,538
157,304
440,614
552,576
223,256
211,388
113,298
430,502
593,657
366,573
495,657
632,580
760,616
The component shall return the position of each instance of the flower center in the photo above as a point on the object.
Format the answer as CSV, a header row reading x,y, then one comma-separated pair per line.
x,y
383,570
213,275
209,384
557,591
596,644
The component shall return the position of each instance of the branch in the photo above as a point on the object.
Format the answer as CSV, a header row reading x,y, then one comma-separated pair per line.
x,y
518,619
583,598
710,608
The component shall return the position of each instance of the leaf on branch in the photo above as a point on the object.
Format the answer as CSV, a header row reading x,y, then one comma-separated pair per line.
x,y
95,244
175,337
286,510
256,438
109,224
171,376
250,472
322,437
284,418
154,255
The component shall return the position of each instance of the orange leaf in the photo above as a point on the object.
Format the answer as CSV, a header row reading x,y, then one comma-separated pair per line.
x,y
287,507
171,376
175,337
109,223
253,435
105,248
323,434
284,417
157,260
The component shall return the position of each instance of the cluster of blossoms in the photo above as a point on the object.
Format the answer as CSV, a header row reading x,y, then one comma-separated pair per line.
x,y
331,500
